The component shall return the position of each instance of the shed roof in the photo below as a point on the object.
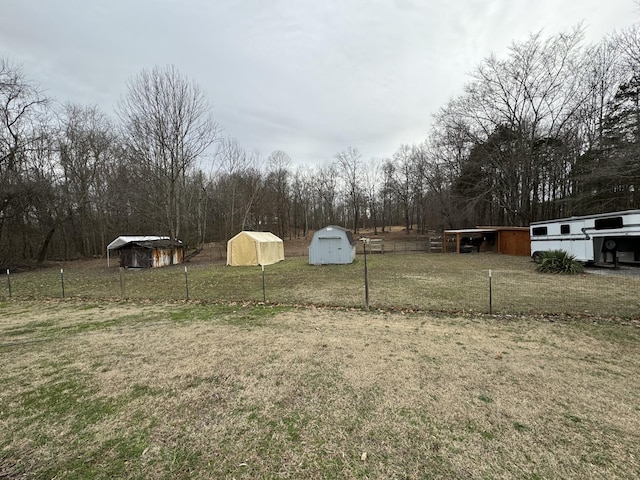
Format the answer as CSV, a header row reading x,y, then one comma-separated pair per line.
x,y
147,241
483,230
471,230
330,228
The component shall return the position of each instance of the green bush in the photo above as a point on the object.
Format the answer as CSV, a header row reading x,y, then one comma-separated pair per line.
x,y
558,261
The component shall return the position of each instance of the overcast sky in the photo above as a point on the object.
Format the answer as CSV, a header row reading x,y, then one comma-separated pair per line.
x,y
310,78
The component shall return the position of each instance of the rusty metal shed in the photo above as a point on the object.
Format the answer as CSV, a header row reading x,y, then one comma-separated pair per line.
x,y
507,240
146,251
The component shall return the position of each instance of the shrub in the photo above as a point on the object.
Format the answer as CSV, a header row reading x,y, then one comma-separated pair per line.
x,y
558,261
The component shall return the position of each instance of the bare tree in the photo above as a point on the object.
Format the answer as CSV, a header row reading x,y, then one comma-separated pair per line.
x,y
372,181
628,43
85,146
325,182
277,183
523,110
603,75
301,199
238,187
402,174
197,195
349,161
23,130
420,165
449,145
167,125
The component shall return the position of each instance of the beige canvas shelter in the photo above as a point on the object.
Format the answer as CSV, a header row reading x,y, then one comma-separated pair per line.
x,y
254,248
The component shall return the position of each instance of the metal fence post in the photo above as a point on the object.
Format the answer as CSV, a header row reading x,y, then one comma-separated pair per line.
x,y
490,295
121,283
62,280
366,273
9,282
186,281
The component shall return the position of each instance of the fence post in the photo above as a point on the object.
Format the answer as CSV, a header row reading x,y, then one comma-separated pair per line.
x,y
264,292
490,295
366,273
62,280
186,281
121,283
9,282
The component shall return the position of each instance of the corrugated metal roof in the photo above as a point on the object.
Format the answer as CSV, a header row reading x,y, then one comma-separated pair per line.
x,y
330,228
484,229
148,241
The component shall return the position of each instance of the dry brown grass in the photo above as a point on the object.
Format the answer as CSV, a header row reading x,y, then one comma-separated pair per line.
x,y
195,391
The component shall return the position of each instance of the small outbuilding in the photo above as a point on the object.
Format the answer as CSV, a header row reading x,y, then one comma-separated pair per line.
x,y
332,245
254,248
507,240
146,251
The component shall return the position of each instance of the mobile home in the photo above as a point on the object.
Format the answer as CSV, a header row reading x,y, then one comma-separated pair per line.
x,y
601,238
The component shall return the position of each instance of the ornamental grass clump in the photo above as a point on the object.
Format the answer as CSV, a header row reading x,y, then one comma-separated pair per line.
x,y
558,261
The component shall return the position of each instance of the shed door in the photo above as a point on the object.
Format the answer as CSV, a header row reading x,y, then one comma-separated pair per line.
x,y
330,250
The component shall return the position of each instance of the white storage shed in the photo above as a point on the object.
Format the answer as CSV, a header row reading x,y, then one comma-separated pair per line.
x,y
332,245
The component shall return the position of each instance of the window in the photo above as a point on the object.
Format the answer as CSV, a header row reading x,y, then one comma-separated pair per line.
x,y
539,231
565,229
607,223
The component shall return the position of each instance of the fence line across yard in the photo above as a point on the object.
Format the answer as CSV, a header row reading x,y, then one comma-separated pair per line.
x,y
493,284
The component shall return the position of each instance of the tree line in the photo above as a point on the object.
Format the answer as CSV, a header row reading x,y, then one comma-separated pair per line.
x,y
550,130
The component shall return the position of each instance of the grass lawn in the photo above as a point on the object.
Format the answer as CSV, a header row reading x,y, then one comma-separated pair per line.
x,y
146,389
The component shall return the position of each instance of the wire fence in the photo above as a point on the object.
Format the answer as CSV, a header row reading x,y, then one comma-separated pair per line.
x,y
425,245
407,284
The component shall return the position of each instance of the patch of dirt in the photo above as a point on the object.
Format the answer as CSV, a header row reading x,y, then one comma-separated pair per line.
x,y
622,270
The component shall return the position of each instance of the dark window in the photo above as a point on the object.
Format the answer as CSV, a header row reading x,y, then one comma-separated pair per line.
x,y
564,229
607,223
539,231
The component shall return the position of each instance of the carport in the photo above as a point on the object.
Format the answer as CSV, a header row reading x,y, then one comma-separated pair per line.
x,y
507,240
